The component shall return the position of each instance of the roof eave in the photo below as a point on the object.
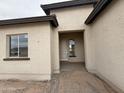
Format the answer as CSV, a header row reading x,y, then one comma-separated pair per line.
x,y
66,4
100,6
52,19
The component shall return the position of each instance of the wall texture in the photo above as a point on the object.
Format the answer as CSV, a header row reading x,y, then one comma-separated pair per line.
x,y
70,20
39,65
106,40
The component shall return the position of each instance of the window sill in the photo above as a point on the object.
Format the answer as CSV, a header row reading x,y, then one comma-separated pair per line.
x,y
15,59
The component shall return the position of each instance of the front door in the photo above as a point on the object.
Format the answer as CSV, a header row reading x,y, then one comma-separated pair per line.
x,y
71,47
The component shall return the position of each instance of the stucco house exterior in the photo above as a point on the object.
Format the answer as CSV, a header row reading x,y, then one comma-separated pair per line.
x,y
89,31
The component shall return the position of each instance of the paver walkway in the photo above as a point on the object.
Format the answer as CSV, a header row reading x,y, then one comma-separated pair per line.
x,y
73,79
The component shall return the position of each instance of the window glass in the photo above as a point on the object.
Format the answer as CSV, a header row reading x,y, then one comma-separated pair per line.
x,y
13,46
23,45
18,45
72,48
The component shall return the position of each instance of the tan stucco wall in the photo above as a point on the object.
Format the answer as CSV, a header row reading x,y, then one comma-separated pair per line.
x,y
55,52
106,40
70,20
39,65
79,46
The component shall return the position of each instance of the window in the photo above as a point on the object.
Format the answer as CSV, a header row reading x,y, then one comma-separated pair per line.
x,y
18,45
72,48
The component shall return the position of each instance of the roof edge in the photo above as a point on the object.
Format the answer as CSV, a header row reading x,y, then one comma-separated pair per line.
x,y
48,7
100,6
52,19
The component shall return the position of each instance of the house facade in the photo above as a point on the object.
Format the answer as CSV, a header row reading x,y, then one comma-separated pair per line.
x,y
87,31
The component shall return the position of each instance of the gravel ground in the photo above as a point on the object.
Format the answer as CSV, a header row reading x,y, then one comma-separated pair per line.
x,y
73,79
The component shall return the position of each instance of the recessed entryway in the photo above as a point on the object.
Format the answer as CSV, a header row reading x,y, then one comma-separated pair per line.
x,y
71,48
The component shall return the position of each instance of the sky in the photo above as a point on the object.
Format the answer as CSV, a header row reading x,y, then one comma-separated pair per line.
x,y
11,9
